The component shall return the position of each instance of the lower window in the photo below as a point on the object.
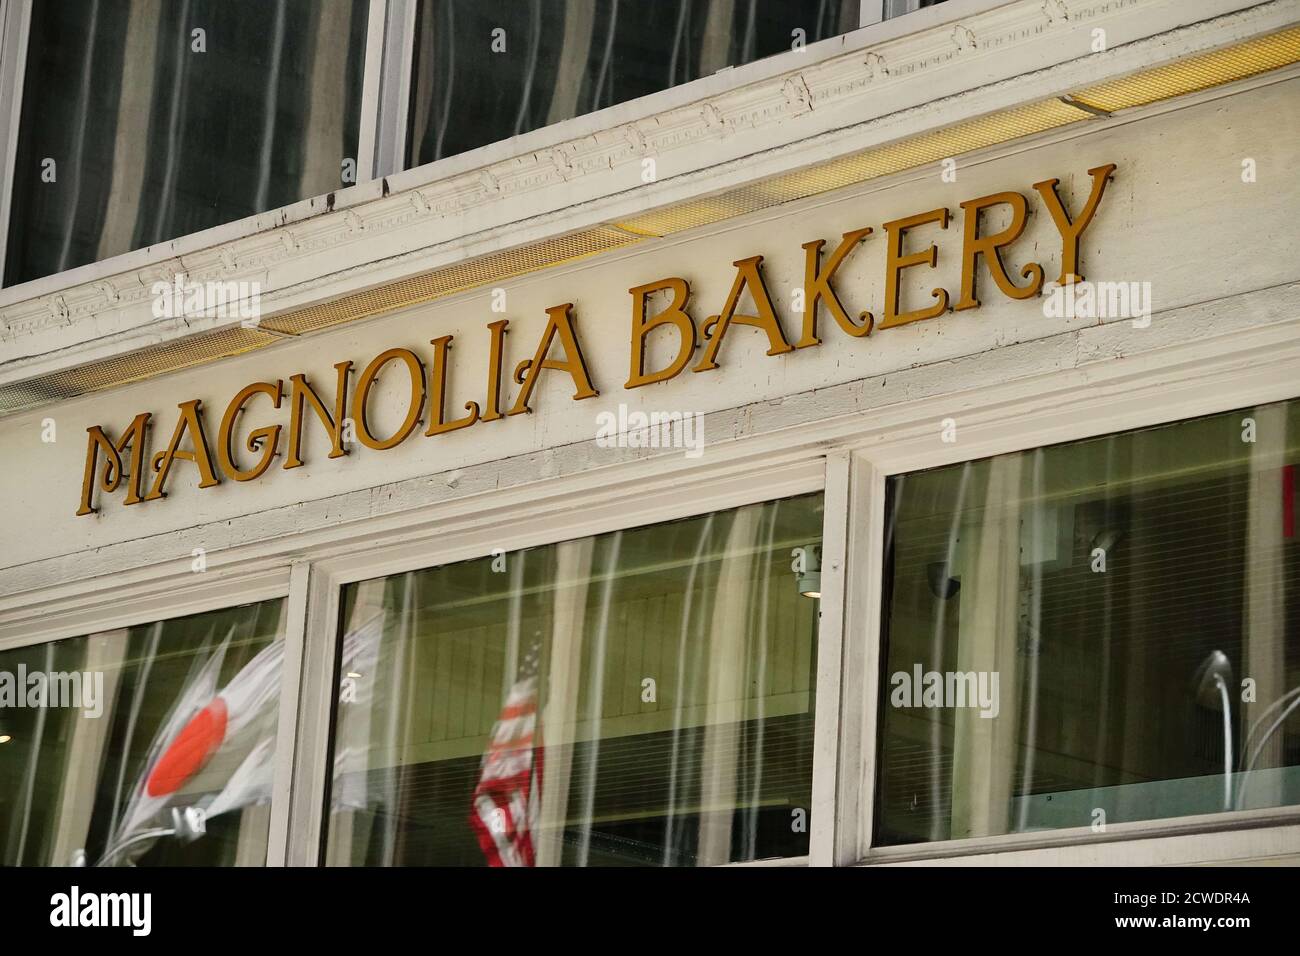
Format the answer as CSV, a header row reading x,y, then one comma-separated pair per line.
x,y
643,697
1094,633
149,745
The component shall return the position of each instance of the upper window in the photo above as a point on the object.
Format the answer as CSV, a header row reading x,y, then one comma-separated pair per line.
x,y
643,697
149,745
1093,633
488,71
144,121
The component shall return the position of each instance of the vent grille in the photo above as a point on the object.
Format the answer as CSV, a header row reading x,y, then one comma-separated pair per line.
x,y
1195,73
860,167
132,367
452,279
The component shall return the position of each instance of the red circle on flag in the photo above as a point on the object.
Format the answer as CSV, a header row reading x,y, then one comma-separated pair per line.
x,y
190,750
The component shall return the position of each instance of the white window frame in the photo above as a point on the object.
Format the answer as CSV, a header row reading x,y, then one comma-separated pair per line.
x,y
527,524
15,21
139,600
1140,392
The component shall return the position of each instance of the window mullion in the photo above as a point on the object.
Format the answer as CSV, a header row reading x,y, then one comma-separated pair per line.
x,y
830,649
394,86
871,12
315,711
15,22
295,632
859,732
369,132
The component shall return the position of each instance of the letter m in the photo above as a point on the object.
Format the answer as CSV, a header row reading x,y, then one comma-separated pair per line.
x,y
116,909
111,477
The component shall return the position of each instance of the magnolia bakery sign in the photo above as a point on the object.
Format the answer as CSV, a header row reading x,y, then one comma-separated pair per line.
x,y
114,461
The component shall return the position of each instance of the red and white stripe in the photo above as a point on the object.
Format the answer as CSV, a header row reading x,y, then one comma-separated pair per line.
x,y
507,800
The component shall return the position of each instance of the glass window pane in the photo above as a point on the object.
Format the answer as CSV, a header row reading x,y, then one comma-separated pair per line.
x,y
144,120
486,71
638,698
149,745
1094,633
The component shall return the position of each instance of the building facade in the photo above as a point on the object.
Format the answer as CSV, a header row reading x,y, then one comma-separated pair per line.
x,y
596,433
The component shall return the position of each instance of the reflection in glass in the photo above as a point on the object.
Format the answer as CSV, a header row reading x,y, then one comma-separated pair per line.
x,y
641,697
164,118
1135,599
151,745
486,71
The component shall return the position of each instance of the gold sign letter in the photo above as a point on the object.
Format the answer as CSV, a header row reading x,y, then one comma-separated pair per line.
x,y
267,434
190,421
897,262
974,245
675,315
112,477
748,273
1071,231
560,323
817,286
492,407
438,391
302,391
415,403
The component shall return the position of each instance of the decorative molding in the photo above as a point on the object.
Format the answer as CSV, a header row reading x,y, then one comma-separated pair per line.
x,y
844,91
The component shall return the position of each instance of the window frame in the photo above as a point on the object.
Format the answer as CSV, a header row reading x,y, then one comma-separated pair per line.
x,y
697,491
1117,398
72,612
15,22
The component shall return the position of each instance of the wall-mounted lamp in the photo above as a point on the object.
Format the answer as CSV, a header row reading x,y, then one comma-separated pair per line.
x,y
807,566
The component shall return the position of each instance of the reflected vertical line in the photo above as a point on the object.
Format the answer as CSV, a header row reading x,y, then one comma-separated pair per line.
x,y
395,713
678,35
161,227
137,699
134,112
936,655
445,118
29,784
534,45
1033,645
1099,761
751,24
824,25
596,699
670,808
79,137
599,91
270,105
751,835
